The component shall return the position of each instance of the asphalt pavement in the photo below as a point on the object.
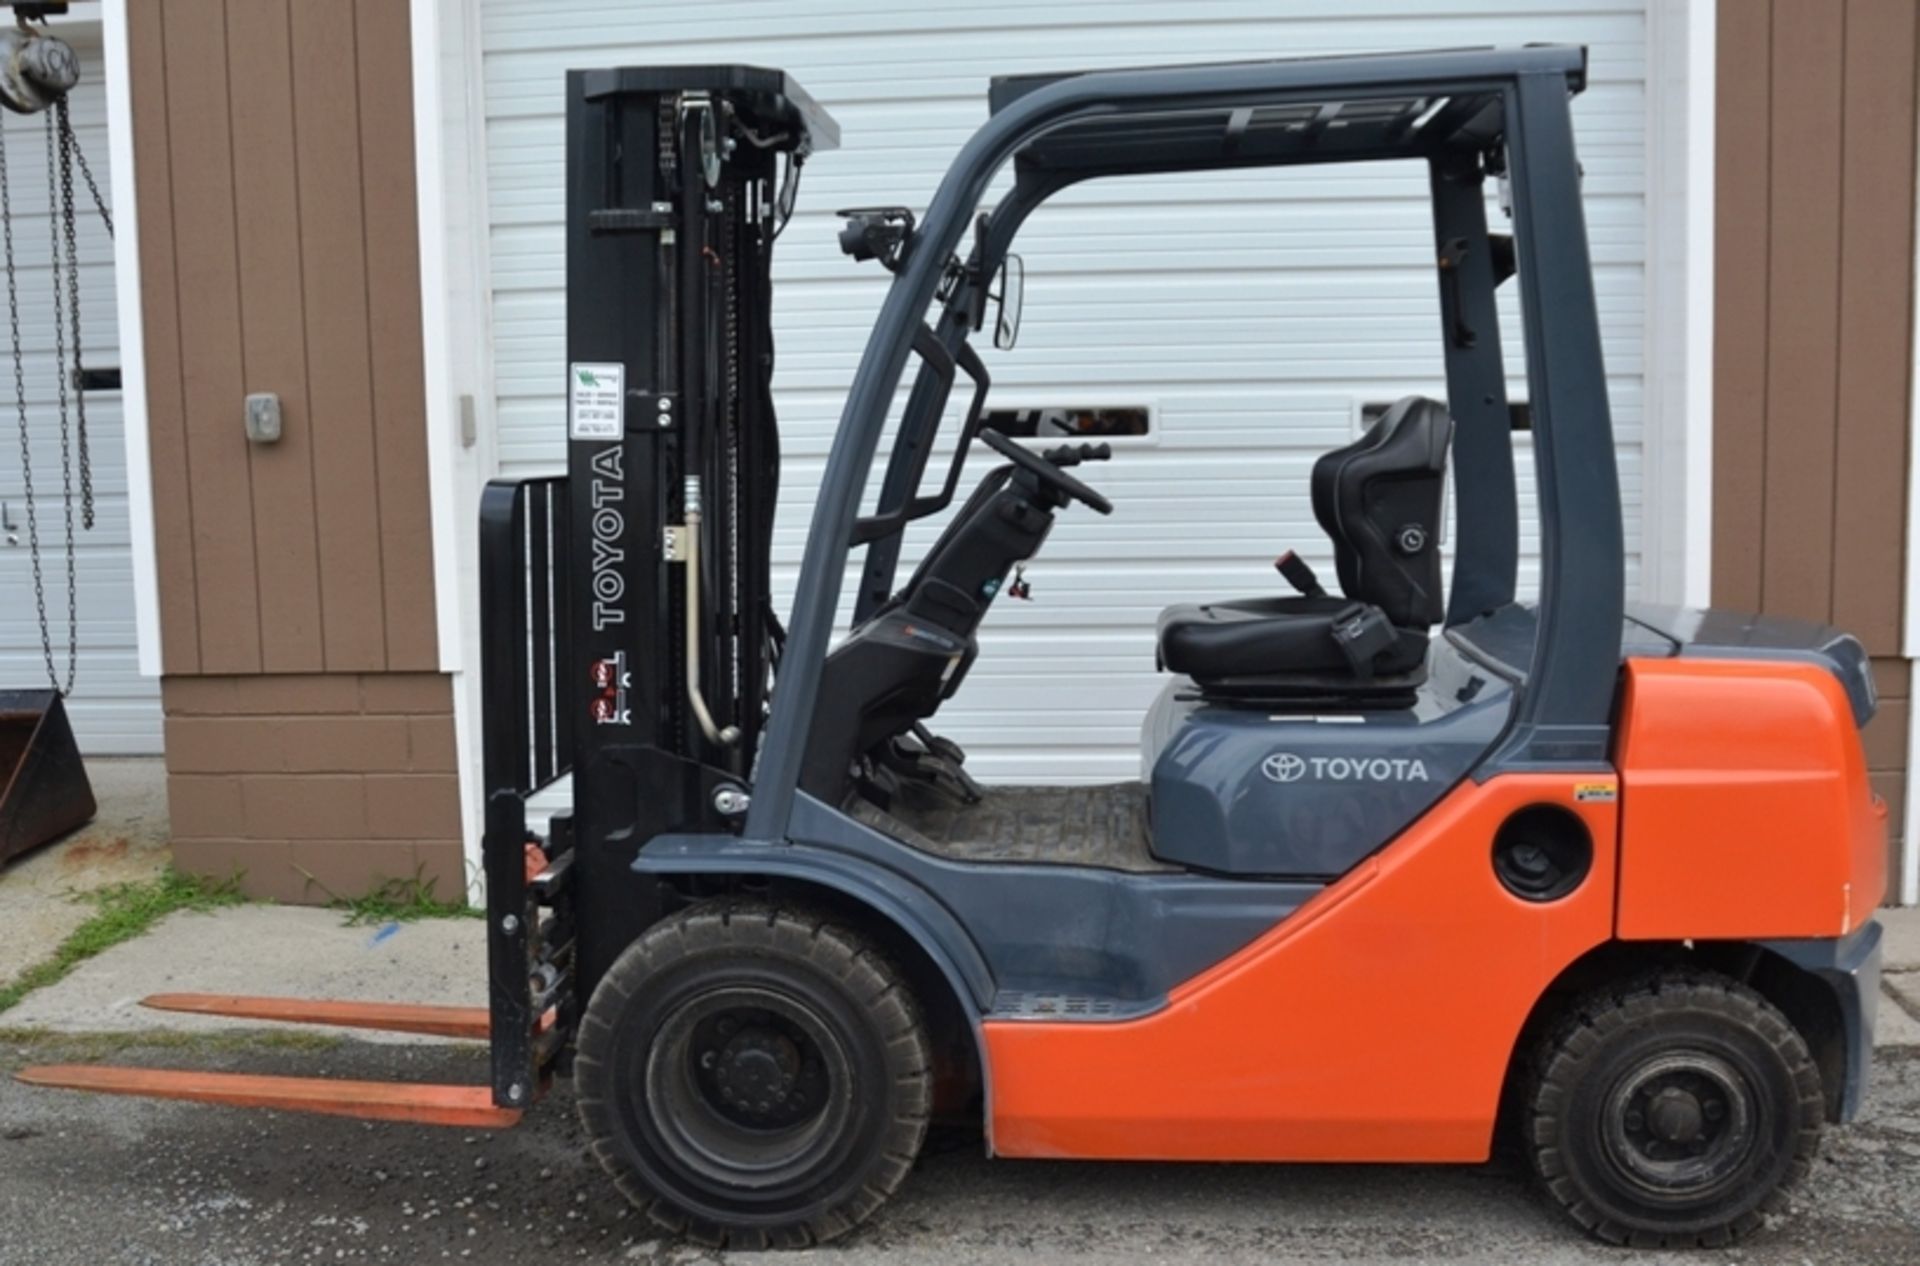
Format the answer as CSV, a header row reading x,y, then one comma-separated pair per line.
x,y
89,1181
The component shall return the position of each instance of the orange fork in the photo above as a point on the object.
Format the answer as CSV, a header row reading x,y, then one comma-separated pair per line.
x,y
386,1017
471,1107
467,1106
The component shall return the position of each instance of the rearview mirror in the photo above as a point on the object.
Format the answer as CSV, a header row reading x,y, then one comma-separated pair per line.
x,y
1011,290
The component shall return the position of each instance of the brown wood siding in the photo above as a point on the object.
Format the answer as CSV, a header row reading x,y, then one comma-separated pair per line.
x,y
1814,274
310,737
1814,239
279,250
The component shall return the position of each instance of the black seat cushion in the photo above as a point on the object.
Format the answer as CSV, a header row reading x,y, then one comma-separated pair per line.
x,y
1379,499
1267,637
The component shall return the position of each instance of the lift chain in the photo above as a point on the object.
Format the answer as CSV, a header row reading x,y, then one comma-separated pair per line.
x,y
730,412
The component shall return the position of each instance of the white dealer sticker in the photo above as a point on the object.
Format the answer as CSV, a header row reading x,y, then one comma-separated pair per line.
x,y
597,401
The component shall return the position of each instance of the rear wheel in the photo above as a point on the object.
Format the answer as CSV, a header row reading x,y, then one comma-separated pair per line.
x,y
754,1076
1674,1112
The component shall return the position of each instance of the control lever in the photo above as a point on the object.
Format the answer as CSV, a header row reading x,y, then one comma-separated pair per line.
x,y
1074,454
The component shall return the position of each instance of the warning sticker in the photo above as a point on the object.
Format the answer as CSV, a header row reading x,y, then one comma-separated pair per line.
x,y
597,403
1592,791
611,681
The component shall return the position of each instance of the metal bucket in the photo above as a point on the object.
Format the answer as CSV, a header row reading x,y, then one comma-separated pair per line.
x,y
44,792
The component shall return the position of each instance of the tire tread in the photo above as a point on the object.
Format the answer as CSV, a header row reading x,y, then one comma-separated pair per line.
x,y
1589,1022
838,952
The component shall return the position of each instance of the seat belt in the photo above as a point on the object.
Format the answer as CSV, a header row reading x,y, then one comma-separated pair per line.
x,y
1298,574
1362,632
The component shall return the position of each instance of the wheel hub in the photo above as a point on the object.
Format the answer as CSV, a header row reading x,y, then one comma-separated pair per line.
x,y
738,1084
1680,1124
1675,1115
757,1070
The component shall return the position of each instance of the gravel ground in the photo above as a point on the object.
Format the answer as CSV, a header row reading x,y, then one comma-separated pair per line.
x,y
87,1181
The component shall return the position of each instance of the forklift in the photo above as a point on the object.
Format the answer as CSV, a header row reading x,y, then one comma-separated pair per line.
x,y
1414,861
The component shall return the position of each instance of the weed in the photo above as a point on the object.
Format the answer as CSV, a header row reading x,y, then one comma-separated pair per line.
x,y
398,901
121,912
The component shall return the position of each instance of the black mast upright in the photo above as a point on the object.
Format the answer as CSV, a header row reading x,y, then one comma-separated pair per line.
x,y
673,193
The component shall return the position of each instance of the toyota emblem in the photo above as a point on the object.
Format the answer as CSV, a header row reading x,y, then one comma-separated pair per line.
x,y
1283,767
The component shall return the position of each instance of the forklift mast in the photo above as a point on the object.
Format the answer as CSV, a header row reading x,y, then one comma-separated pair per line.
x,y
629,628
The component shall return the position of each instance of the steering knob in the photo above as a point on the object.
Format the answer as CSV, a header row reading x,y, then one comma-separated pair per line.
x,y
1074,454
1046,472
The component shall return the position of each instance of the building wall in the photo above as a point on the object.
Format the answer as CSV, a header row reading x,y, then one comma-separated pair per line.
x,y
1813,309
308,729
314,786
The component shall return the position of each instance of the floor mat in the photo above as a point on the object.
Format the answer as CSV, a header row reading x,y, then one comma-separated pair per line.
x,y
1103,826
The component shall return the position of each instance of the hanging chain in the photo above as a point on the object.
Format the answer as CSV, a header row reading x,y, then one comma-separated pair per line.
x,y
26,449
66,430
72,143
66,221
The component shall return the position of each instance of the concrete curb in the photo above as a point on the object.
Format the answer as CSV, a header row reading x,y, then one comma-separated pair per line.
x,y
283,951
1900,951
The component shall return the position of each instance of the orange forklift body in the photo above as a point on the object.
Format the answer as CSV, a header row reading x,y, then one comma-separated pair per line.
x,y
1742,811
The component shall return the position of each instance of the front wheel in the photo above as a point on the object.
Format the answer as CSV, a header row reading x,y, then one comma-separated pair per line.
x,y
754,1076
1674,1112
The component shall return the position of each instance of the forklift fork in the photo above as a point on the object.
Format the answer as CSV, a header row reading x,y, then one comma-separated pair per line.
x,y
468,1106
531,1009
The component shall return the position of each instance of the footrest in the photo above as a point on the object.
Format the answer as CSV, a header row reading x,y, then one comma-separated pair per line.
x,y
469,1107
385,1017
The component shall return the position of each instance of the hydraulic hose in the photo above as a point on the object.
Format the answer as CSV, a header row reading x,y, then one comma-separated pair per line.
x,y
695,697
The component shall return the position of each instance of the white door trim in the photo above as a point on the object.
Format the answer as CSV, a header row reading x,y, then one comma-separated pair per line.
x,y
116,55
450,175
1677,447
1908,880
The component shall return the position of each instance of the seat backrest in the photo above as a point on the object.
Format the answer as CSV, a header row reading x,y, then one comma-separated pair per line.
x,y
1379,500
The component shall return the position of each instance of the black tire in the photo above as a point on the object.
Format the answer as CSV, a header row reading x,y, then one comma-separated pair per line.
x,y
1673,1112
754,1076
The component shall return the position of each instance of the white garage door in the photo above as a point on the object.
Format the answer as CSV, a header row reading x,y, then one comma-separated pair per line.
x,y
1255,313
114,709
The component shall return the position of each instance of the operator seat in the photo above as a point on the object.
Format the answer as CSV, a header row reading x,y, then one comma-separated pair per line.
x,y
1379,500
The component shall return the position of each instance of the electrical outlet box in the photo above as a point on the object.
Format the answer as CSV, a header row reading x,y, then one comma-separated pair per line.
x,y
263,417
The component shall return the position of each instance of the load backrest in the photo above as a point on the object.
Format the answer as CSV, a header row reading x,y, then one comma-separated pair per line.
x,y
1379,499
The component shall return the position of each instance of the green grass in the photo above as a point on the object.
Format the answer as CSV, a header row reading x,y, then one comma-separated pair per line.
x,y
398,901
82,1047
121,912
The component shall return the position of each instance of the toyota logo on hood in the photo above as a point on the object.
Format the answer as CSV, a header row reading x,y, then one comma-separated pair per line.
x,y
1283,767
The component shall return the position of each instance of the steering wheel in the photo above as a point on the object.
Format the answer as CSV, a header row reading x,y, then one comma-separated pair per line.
x,y
1045,471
